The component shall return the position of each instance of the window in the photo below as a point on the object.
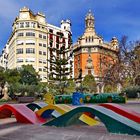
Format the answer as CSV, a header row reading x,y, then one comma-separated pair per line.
x,y
19,60
92,39
30,42
86,39
64,41
40,60
40,52
20,34
89,38
40,69
27,24
22,25
30,34
20,51
17,25
44,37
30,50
57,46
44,53
57,39
44,45
20,42
44,62
51,44
40,36
51,37
71,62
30,59
50,68
44,70
33,24
51,31
40,44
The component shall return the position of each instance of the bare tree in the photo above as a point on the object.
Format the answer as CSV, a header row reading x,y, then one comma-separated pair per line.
x,y
125,68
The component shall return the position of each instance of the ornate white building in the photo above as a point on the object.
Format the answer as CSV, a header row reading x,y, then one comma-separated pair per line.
x,y
30,39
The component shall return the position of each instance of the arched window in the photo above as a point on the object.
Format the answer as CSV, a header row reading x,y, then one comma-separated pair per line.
x,y
86,39
92,39
89,38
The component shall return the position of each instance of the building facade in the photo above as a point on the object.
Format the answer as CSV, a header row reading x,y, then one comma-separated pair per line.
x,y
30,40
89,52
4,57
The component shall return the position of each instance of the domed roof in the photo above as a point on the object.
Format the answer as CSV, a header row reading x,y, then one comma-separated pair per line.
x,y
114,38
89,15
24,9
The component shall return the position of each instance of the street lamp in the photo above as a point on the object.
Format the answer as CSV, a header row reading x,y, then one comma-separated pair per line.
x,y
80,77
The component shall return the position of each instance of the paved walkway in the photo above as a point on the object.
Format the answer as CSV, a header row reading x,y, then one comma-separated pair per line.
x,y
15,131
136,101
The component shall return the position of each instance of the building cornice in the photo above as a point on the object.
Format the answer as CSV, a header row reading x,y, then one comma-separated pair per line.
x,y
94,46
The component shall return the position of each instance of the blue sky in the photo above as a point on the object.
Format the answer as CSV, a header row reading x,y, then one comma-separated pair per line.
x,y
112,17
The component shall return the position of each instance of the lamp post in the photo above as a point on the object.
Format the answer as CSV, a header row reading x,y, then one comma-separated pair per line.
x,y
100,84
80,78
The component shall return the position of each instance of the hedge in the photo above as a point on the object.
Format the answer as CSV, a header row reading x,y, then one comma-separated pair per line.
x,y
92,98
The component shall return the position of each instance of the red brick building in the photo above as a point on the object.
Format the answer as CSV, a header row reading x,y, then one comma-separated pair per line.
x,y
89,50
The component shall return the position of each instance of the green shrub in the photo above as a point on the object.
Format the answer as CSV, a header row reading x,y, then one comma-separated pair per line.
x,y
3,100
131,92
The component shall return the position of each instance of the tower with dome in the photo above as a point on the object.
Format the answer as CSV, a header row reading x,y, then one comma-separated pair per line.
x,y
90,51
